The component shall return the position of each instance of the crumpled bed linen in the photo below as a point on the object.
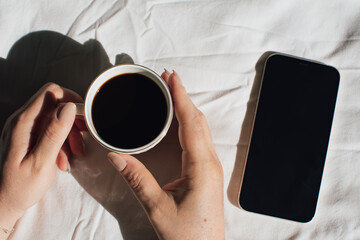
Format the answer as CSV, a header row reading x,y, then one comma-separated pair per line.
x,y
214,46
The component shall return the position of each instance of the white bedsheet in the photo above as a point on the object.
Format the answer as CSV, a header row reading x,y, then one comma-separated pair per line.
x,y
214,46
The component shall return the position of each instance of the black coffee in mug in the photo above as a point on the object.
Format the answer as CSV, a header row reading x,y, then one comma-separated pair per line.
x,y
129,111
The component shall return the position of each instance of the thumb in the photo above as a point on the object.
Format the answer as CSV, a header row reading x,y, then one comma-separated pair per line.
x,y
140,180
55,133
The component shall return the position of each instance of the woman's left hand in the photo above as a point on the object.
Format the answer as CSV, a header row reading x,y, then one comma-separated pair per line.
x,y
32,147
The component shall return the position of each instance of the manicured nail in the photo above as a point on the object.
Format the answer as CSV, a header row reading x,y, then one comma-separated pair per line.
x,y
68,170
177,76
166,70
67,112
117,161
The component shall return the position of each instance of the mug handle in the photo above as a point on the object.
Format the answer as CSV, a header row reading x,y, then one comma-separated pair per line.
x,y
79,109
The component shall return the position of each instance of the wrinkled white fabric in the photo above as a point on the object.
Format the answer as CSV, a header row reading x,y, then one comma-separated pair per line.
x,y
214,46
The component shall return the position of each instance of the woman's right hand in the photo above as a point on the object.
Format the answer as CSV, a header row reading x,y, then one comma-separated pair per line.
x,y
191,207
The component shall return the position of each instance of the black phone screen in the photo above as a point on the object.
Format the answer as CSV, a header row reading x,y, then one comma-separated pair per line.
x,y
290,137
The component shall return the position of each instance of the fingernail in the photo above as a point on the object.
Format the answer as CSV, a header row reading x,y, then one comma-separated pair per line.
x,y
174,72
117,161
66,113
166,70
68,170
177,76
172,79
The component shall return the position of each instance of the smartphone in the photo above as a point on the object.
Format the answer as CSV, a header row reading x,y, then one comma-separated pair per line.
x,y
289,138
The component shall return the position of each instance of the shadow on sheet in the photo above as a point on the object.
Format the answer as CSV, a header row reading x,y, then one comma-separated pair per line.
x,y
234,188
45,56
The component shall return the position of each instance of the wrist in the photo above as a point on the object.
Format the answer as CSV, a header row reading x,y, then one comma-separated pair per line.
x,y
8,216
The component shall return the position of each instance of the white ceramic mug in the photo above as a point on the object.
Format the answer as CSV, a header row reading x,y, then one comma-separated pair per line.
x,y
85,109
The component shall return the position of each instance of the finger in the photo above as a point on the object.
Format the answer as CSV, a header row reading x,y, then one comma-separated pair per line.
x,y
70,96
140,180
33,117
165,76
46,99
194,133
80,123
193,128
76,142
37,111
63,158
55,134
185,110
